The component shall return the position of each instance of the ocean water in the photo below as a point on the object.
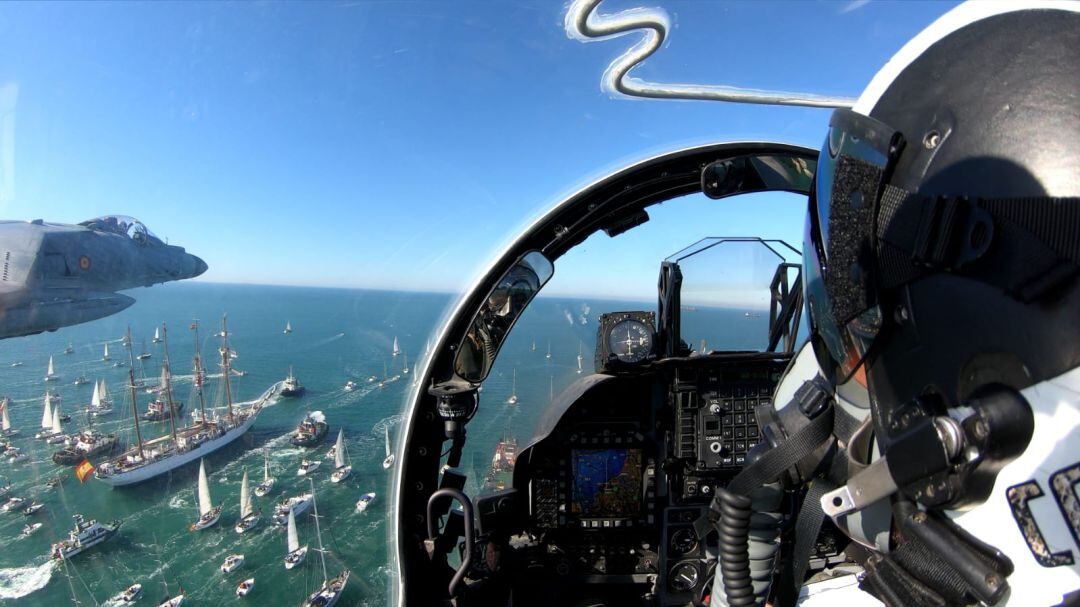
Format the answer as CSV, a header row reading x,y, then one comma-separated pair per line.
x,y
337,335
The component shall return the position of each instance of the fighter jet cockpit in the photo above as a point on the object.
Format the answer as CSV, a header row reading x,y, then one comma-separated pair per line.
x,y
602,498
124,226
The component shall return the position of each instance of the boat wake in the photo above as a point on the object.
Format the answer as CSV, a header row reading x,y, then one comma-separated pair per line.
x,y
386,422
17,582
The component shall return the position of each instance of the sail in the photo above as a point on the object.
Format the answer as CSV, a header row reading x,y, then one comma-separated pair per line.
x,y
339,449
294,541
204,490
106,351
513,385
266,466
288,327
157,334
104,392
95,400
396,350
56,420
46,417
387,429
50,372
245,497
7,421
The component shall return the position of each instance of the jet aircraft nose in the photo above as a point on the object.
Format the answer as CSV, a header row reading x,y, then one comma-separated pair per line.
x,y
197,265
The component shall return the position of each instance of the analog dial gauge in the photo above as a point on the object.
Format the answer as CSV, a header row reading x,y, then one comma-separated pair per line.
x,y
630,341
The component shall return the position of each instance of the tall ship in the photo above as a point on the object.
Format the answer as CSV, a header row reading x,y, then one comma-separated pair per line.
x,y
501,474
148,459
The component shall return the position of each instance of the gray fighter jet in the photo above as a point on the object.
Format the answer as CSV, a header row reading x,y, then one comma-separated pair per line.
x,y
54,275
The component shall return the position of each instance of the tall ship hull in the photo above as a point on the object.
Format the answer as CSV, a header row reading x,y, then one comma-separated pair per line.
x,y
157,468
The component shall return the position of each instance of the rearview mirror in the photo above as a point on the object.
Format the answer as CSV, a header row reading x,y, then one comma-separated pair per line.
x,y
498,313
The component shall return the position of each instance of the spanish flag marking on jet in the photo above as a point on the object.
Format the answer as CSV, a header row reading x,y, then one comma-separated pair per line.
x,y
84,470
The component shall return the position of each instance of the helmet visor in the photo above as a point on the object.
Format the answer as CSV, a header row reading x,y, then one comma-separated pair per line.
x,y
838,251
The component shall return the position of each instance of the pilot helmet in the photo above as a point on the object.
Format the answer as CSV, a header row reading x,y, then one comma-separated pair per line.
x,y
942,266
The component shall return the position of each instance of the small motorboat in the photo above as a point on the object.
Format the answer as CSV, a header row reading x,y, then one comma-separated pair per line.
x,y
13,504
245,587
17,456
131,594
307,466
57,439
30,529
350,386
291,387
364,501
232,563
81,381
33,508
17,364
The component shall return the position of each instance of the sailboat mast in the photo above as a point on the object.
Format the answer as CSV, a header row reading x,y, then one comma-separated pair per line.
x,y
318,532
168,382
134,399
225,369
199,371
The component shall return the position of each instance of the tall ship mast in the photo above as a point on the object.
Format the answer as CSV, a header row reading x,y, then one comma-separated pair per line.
x,y
332,588
160,455
164,407
200,374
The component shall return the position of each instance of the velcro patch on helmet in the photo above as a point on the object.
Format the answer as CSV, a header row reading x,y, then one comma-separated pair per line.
x,y
851,228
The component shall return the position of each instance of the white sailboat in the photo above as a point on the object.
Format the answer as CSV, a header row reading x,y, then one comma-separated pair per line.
x,y
513,391
580,358
208,513
157,335
249,517
396,350
46,419
295,553
100,404
5,424
549,351
342,469
288,328
268,481
105,356
534,344
50,374
405,369
57,432
389,460
70,349
332,588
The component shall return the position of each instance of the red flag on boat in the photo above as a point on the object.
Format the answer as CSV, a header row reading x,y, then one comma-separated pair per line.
x,y
83,470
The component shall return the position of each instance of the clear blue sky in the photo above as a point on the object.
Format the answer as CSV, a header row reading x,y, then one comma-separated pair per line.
x,y
385,144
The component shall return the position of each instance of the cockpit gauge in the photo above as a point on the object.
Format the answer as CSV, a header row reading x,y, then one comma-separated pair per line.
x,y
683,541
683,577
625,339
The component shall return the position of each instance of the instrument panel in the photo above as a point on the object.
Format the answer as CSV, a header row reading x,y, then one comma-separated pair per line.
x,y
625,340
615,489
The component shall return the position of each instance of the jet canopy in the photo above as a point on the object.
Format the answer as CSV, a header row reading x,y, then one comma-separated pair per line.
x,y
124,226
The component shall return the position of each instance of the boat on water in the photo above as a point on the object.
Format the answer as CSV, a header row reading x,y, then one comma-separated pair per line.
x,y
86,444
513,390
548,355
158,410
46,419
29,529
5,421
249,517
149,459
164,407
105,355
232,563
292,386
84,536
405,368
208,512
311,431
69,349
396,350
5,487
267,483
288,328
307,467
244,587
295,505
157,335
81,380
144,354
342,466
50,374
294,552
364,501
13,504
580,359
350,386
332,588
33,508
389,459
16,455
130,594
100,403
501,474
55,434
175,601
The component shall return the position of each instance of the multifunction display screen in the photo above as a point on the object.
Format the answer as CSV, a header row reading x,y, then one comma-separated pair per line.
x,y
606,483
